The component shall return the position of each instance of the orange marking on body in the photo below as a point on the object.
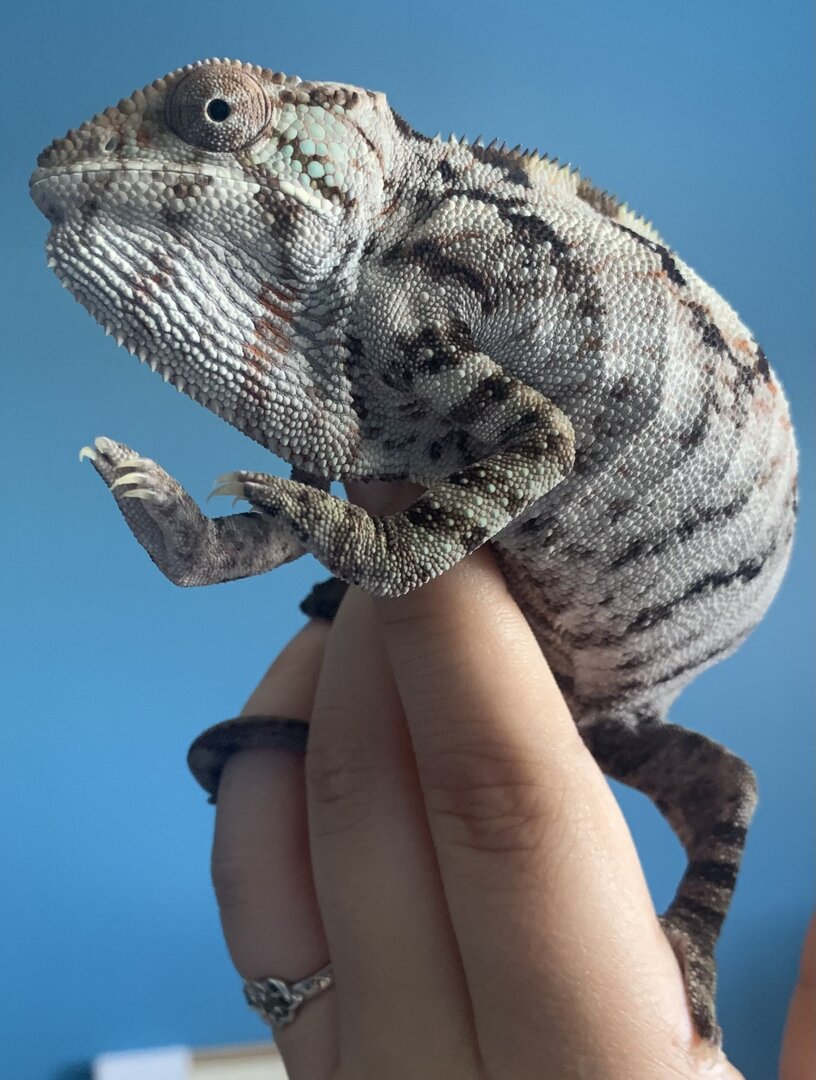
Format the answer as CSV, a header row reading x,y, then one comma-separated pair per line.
x,y
256,357
276,310
268,287
265,328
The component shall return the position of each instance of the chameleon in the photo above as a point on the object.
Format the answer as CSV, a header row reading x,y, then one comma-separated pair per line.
x,y
370,303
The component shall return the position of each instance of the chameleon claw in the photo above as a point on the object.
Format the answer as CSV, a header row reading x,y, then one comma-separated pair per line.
x,y
231,488
104,445
128,478
140,493
87,452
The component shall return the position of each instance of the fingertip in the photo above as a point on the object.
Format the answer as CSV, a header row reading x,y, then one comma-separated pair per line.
x,y
287,687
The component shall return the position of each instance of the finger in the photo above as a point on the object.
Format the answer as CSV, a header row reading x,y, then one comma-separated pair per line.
x,y
799,1045
403,1008
547,900
261,866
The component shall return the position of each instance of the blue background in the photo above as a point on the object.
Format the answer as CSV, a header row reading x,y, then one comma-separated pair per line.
x,y
698,114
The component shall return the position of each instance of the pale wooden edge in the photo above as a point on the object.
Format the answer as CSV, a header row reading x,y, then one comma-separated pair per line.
x,y
236,1052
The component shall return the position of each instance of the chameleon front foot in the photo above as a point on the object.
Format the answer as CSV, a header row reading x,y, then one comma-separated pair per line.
x,y
152,503
391,555
189,548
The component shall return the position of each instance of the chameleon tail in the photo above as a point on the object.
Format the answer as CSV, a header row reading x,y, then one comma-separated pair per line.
x,y
707,794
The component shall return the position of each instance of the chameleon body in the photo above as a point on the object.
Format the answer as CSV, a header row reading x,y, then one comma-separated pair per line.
x,y
370,303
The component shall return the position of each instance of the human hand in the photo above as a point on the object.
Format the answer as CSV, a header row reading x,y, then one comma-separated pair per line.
x,y
798,1061
452,847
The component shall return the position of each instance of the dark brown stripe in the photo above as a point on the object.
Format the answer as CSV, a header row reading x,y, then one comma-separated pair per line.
x,y
726,832
447,172
490,390
448,346
692,665
666,260
713,872
532,231
682,532
489,198
747,570
433,257
509,166
762,365
620,751
708,916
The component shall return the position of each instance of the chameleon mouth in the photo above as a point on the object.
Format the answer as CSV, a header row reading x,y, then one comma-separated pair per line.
x,y
60,191
54,187
44,174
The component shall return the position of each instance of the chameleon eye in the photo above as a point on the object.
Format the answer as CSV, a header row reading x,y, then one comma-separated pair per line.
x,y
218,110
217,107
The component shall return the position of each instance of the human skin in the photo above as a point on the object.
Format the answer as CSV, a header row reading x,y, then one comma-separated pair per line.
x,y
798,1060
450,844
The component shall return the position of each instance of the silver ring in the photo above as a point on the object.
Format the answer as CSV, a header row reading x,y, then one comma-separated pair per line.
x,y
277,1002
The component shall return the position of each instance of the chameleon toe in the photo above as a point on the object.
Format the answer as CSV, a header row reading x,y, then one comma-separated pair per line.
x,y
145,494
129,478
105,445
233,488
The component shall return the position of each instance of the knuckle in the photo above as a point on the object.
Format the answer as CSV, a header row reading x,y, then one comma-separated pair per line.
x,y
340,781
484,798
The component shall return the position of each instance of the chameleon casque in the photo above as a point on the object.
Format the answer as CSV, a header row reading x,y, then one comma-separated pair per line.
x,y
368,303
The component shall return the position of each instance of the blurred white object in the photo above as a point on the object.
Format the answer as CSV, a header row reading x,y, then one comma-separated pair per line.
x,y
168,1063
254,1061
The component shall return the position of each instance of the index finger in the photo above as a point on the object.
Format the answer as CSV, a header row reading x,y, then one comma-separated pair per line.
x,y
551,912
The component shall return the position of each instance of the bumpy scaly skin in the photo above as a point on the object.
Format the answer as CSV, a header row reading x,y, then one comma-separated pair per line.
x,y
371,303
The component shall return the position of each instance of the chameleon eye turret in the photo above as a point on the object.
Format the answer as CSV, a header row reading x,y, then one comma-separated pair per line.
x,y
218,107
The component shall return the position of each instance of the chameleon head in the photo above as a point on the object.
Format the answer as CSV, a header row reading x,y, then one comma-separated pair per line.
x,y
209,222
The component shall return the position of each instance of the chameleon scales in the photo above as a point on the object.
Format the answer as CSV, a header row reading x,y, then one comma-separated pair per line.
x,y
367,303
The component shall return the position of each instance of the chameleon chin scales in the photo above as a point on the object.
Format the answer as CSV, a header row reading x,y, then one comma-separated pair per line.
x,y
367,303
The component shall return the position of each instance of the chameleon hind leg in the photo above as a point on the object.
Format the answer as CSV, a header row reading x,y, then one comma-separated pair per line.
x,y
707,794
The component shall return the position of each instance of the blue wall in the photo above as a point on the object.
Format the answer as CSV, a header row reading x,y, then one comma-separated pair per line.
x,y
696,113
